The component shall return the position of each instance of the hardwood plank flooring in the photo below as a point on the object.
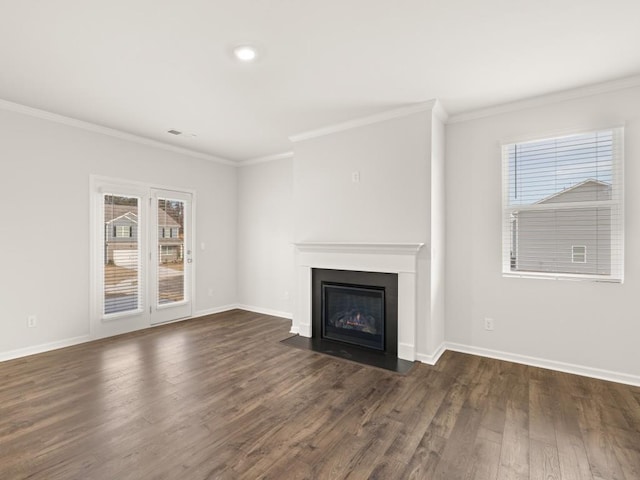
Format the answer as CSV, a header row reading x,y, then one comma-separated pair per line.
x,y
221,398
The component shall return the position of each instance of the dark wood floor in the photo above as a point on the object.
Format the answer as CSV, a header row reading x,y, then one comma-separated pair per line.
x,y
220,397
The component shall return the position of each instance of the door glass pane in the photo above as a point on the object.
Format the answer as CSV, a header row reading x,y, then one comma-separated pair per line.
x,y
121,254
170,251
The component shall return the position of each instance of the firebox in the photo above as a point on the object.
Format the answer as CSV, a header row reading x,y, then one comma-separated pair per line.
x,y
356,308
353,314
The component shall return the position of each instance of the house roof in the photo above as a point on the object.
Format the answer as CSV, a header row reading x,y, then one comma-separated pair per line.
x,y
166,220
115,212
589,182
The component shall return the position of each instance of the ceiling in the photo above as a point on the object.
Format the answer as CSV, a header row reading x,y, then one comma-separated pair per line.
x,y
148,66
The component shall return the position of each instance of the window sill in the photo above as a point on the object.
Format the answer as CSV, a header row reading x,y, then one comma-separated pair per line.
x,y
563,276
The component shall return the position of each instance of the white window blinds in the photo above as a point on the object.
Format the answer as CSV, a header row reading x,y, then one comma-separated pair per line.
x,y
560,193
121,254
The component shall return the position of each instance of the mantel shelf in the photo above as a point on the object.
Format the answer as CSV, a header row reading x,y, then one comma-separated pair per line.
x,y
382,248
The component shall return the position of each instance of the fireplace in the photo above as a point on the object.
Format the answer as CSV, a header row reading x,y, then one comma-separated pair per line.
x,y
402,261
356,308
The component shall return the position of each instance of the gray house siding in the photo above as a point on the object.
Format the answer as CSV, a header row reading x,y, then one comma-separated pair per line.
x,y
123,250
543,240
129,222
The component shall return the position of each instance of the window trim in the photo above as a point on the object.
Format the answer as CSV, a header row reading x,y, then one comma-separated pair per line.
x,y
617,202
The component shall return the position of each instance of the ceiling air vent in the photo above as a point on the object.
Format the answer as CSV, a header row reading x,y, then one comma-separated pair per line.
x,y
174,132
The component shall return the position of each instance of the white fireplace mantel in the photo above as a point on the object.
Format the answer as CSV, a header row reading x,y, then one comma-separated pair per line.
x,y
399,258
395,248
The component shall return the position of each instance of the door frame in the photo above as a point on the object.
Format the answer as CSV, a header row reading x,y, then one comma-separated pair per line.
x,y
115,324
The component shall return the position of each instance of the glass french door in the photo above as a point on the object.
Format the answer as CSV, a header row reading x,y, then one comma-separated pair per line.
x,y
170,255
144,241
122,248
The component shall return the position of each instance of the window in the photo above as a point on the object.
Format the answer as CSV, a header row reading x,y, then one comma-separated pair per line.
x,y
121,269
123,231
579,253
563,197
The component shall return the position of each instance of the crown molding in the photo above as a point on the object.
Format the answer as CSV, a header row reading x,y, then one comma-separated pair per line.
x,y
266,158
363,121
439,111
111,132
548,99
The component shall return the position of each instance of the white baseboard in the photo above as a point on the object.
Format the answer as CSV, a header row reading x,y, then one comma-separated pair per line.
x,y
265,311
305,330
432,359
214,310
548,364
406,351
294,330
45,347
69,342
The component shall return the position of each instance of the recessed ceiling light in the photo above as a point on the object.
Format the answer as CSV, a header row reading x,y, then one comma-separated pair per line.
x,y
245,53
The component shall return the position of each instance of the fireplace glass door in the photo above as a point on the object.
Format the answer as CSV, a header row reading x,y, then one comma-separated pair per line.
x,y
354,314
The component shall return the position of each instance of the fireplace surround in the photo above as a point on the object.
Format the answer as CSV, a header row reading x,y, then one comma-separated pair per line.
x,y
356,308
396,258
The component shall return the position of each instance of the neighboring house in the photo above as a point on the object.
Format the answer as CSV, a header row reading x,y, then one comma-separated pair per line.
x,y
170,241
568,239
121,236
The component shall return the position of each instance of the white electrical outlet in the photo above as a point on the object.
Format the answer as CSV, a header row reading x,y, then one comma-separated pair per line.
x,y
355,177
286,295
488,324
32,321
210,292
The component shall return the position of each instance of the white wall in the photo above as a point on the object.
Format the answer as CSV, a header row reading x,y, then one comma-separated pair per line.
x,y
265,237
391,202
595,325
44,224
